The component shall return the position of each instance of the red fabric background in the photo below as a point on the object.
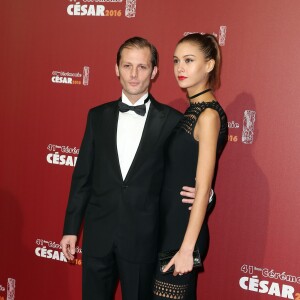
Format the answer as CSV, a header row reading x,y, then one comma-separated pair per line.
x,y
256,220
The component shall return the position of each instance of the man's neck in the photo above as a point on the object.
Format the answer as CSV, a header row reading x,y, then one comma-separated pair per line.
x,y
134,98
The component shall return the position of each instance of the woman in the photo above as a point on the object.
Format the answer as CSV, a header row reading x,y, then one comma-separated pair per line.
x,y
192,153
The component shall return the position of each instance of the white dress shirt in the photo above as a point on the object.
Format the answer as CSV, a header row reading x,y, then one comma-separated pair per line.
x,y
129,133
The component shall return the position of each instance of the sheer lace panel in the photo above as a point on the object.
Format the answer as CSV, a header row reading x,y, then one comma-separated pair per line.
x,y
188,122
169,291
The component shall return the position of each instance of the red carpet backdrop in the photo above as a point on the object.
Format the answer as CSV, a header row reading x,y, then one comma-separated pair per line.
x,y
58,61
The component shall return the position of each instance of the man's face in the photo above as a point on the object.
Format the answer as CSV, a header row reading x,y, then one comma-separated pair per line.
x,y
135,72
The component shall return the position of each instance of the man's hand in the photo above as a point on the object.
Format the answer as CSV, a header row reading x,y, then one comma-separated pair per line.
x,y
190,192
68,243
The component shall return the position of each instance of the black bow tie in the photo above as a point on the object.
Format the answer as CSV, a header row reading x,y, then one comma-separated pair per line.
x,y
139,109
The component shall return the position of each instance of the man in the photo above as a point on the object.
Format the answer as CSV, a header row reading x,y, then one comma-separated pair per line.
x,y
117,180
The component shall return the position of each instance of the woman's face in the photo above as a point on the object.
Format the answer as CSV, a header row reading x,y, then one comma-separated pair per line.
x,y
191,68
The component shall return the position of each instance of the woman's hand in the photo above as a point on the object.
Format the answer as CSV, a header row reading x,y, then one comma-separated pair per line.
x,y
183,261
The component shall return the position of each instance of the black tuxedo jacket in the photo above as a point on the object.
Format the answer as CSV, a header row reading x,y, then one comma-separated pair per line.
x,y
116,211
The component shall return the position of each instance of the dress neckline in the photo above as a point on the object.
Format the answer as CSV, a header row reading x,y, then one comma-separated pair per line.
x,y
203,102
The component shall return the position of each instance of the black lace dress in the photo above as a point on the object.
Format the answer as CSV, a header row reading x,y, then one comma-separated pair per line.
x,y
180,170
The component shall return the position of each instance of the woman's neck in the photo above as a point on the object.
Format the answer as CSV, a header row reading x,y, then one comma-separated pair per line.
x,y
200,94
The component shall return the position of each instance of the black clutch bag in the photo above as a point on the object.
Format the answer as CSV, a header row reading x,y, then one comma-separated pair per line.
x,y
165,257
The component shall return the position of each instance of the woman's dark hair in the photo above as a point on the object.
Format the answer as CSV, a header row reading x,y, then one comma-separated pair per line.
x,y
139,42
208,45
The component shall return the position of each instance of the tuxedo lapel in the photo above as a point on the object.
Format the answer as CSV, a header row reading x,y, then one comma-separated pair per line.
x,y
154,123
111,134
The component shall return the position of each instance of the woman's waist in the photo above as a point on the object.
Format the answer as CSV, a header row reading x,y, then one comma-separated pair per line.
x,y
170,196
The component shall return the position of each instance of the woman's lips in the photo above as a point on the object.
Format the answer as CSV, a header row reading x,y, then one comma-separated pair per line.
x,y
181,77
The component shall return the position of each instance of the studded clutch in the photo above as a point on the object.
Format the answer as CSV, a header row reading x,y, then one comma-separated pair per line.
x,y
165,257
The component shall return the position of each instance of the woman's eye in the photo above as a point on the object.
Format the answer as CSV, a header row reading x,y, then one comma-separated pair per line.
x,y
188,60
175,61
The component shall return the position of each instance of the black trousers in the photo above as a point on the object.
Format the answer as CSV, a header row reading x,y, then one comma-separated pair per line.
x,y
100,276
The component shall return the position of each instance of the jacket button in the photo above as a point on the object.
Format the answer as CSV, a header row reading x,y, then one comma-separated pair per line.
x,y
125,187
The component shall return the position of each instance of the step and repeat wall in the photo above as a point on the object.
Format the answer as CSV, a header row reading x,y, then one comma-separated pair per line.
x,y
58,61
